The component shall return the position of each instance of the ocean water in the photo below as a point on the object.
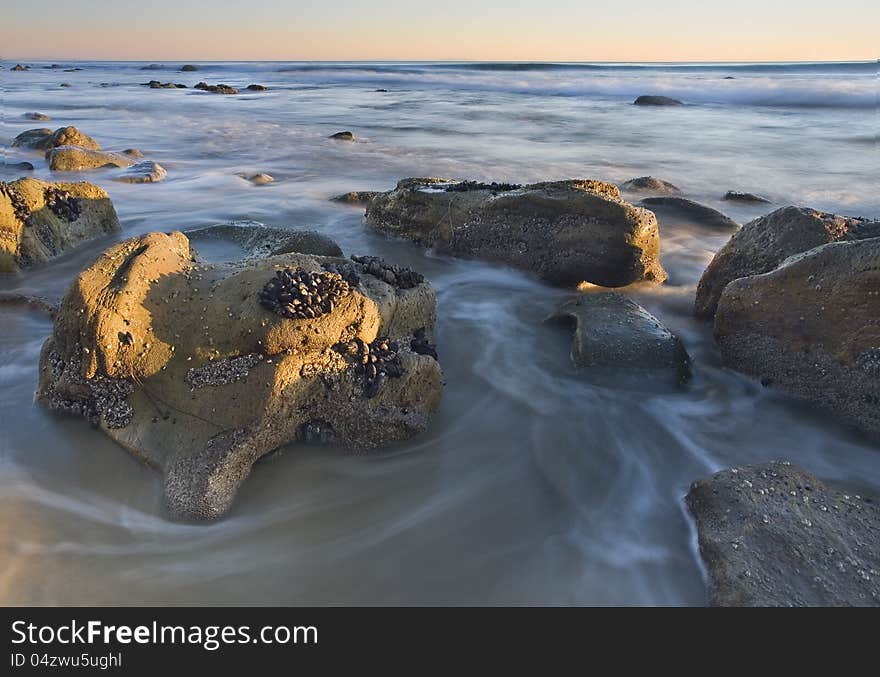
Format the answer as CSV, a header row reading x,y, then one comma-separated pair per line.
x,y
532,485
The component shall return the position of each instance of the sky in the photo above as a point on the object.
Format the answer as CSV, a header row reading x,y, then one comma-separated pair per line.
x,y
479,30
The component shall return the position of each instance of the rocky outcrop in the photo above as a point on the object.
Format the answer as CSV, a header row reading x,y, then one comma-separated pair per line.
x,y
751,198
257,240
142,172
40,117
764,243
653,100
215,89
256,88
156,84
189,68
693,211
650,184
564,231
199,370
46,139
40,220
74,158
614,334
810,328
774,535
359,198
343,136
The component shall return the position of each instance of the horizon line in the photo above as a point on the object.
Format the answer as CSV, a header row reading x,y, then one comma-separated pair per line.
x,y
428,61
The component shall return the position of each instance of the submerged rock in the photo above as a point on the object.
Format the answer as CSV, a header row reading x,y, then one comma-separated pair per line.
x,y
46,139
762,244
564,231
74,158
810,328
155,84
19,67
737,196
40,117
40,220
614,334
18,166
257,240
343,136
189,68
653,100
216,89
774,535
260,179
650,184
34,302
356,197
180,363
256,88
142,172
691,210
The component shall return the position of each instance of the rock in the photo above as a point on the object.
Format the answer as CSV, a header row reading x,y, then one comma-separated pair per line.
x,y
343,136
65,84
810,328
382,91
74,158
762,244
650,184
258,179
46,139
564,231
41,117
772,534
736,196
189,68
32,302
651,100
19,67
19,166
613,333
260,241
40,220
356,197
152,67
694,211
142,172
155,84
216,89
133,152
182,364
256,88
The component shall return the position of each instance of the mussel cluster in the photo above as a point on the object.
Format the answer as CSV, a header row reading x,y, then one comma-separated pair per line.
x,y
396,276
301,294
19,206
344,270
465,186
63,204
375,362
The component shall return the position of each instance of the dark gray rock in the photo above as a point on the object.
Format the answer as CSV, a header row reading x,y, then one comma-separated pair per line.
x,y
343,136
256,88
810,328
19,166
737,196
357,197
613,333
39,117
694,211
762,244
189,68
774,535
651,100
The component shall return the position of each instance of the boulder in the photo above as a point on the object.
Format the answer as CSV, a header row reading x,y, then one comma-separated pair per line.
x,y
215,89
46,139
564,231
693,211
737,196
359,198
650,184
343,136
39,303
256,88
762,244
199,371
189,68
652,100
810,328
142,172
772,534
40,220
614,334
18,166
40,117
74,158
257,240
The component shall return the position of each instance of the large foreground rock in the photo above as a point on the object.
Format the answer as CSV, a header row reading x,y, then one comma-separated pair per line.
x,y
614,334
764,243
810,327
182,364
74,158
565,231
40,220
774,535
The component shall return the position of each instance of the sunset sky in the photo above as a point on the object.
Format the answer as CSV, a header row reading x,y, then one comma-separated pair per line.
x,y
502,30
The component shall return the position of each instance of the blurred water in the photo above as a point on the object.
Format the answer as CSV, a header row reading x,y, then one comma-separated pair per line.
x,y
531,486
